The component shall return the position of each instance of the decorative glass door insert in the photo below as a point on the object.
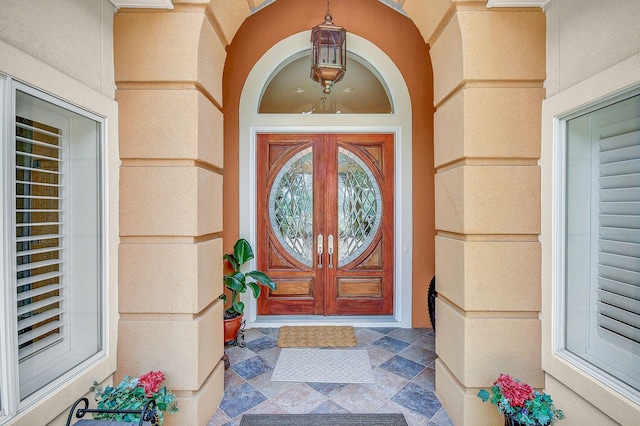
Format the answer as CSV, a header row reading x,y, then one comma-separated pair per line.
x,y
291,206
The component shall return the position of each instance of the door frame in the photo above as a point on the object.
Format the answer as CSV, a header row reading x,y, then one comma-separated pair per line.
x,y
398,123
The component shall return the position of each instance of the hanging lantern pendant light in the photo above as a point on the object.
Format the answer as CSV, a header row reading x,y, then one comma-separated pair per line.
x,y
329,53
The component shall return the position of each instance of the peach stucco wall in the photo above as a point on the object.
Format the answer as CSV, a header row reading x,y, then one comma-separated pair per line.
x,y
488,67
401,41
479,167
168,68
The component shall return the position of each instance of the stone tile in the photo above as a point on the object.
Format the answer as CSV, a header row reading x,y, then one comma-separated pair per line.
x,y
403,367
218,419
427,342
270,389
426,379
267,407
271,355
397,355
328,389
366,335
232,379
360,399
237,354
240,399
441,418
409,335
300,399
412,418
418,354
269,331
378,355
390,344
420,400
382,330
261,344
330,407
252,367
252,334
386,382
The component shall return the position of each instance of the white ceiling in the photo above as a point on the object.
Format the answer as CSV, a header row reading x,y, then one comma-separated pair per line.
x,y
291,90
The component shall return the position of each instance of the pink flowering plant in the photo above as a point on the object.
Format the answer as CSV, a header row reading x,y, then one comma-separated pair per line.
x,y
520,402
131,394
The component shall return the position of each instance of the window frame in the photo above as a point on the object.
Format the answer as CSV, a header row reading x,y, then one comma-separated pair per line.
x,y
566,380
10,403
560,242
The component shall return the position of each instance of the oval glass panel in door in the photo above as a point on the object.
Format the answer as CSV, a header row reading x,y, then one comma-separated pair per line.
x,y
291,206
359,206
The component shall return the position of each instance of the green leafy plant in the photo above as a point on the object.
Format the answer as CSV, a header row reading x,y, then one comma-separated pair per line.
x,y
520,402
238,282
131,394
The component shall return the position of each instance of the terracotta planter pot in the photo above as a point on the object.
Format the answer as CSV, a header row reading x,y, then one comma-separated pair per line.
x,y
231,327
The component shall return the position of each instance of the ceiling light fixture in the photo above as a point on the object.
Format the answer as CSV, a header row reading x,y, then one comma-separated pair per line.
x,y
328,53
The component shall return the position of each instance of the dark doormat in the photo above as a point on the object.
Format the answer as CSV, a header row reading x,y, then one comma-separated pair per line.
x,y
323,419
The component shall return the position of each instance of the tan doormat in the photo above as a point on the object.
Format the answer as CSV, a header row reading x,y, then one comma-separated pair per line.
x,y
316,336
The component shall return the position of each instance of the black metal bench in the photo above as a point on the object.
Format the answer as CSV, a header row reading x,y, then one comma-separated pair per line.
x,y
81,407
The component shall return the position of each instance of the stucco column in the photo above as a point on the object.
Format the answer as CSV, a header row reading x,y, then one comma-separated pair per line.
x,y
488,73
168,68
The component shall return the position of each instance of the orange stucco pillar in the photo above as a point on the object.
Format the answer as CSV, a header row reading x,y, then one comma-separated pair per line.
x,y
489,66
168,68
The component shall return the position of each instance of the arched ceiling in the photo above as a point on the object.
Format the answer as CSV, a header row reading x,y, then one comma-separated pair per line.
x,y
256,5
290,90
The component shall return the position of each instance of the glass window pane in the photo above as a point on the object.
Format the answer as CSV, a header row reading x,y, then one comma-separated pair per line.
x,y
602,232
359,206
57,240
291,206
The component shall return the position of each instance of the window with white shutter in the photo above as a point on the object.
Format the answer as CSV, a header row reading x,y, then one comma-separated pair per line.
x,y
602,239
52,242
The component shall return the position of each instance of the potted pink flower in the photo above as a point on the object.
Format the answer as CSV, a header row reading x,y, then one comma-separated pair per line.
x,y
520,404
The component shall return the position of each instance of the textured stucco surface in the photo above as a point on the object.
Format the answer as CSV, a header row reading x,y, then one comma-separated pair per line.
x,y
73,36
585,37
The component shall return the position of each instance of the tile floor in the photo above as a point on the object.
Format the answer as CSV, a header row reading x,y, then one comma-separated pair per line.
x,y
403,368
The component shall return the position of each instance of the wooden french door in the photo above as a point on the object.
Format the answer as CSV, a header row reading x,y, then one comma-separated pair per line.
x,y
325,223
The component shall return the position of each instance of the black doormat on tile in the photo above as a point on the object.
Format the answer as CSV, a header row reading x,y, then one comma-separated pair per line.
x,y
323,420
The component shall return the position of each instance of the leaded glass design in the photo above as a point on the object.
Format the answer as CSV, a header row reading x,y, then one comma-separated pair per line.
x,y
291,206
359,206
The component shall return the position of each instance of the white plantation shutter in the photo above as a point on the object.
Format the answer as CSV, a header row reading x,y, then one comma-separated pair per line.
x,y
55,210
39,210
52,319
618,315
602,241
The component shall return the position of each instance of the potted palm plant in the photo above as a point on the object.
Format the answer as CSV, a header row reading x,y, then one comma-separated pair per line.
x,y
238,282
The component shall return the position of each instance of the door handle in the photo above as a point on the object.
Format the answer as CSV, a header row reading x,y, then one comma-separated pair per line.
x,y
330,250
320,251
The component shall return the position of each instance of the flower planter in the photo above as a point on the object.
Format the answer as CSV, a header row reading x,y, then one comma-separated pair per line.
x,y
231,328
510,421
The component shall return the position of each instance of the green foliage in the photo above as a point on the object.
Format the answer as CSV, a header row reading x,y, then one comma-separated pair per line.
x,y
238,282
131,394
